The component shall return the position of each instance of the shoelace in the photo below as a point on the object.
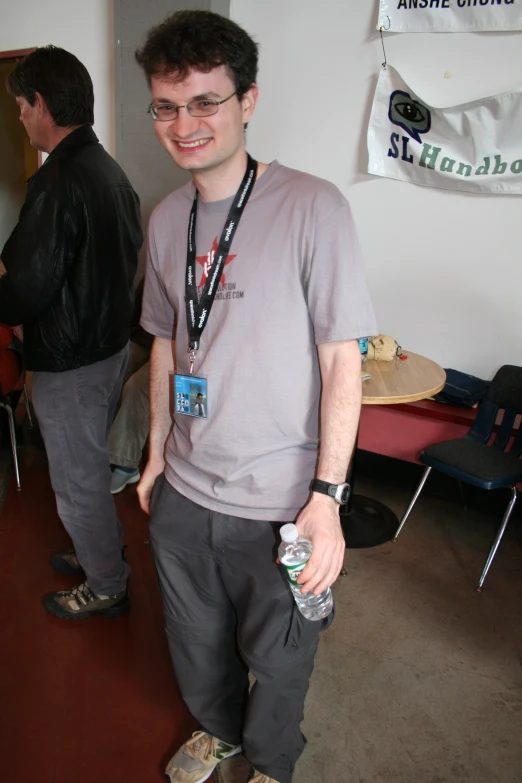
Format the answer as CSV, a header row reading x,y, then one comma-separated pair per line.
x,y
82,594
200,746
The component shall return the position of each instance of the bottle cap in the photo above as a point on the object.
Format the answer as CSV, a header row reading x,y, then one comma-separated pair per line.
x,y
289,533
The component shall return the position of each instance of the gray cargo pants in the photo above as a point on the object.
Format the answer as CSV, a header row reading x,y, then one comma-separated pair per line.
x,y
228,609
75,409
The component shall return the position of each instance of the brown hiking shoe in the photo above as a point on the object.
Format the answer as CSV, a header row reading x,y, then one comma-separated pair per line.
x,y
198,757
67,563
81,602
258,777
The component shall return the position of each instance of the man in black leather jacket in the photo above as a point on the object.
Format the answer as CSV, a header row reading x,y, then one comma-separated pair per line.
x,y
70,265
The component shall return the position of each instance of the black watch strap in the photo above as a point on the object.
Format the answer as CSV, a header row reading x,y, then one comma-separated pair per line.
x,y
339,492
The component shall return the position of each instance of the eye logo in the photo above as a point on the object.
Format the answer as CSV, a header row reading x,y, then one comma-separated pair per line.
x,y
409,115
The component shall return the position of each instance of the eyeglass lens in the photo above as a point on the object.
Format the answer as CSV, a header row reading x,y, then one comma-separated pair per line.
x,y
200,108
196,109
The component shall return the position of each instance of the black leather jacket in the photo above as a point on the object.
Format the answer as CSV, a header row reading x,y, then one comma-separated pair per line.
x,y
72,258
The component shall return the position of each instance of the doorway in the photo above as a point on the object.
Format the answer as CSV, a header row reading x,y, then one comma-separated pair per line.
x,y
18,160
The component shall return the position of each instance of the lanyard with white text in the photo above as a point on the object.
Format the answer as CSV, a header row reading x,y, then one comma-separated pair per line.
x,y
199,311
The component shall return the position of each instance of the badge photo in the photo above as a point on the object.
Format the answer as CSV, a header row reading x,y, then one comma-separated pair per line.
x,y
190,396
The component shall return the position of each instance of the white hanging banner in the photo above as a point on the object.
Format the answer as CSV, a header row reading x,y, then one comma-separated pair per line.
x,y
449,16
476,147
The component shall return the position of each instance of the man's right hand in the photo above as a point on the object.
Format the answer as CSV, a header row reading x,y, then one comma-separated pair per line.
x,y
150,474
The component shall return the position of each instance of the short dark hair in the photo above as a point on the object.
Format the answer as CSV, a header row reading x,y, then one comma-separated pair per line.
x,y
199,41
62,81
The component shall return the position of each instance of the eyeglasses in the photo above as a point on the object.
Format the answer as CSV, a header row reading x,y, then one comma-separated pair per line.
x,y
165,112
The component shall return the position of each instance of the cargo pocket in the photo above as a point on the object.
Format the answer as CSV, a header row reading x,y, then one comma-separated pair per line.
x,y
302,633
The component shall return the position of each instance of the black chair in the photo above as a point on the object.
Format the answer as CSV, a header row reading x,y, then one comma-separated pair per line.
x,y
483,458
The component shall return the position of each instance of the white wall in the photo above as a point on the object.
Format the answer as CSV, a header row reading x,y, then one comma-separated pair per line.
x,y
12,161
83,27
445,269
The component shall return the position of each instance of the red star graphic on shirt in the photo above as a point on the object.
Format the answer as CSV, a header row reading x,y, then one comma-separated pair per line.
x,y
207,261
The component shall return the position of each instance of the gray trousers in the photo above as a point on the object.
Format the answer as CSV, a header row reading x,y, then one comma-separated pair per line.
x,y
228,609
75,410
130,429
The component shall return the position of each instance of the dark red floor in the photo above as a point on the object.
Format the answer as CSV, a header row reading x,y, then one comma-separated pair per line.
x,y
80,701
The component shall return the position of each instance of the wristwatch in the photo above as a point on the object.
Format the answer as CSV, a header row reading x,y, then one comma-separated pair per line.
x,y
339,492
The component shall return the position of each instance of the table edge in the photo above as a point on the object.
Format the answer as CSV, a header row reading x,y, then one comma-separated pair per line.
x,y
404,397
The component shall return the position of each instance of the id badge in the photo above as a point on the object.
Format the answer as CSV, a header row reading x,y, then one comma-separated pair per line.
x,y
190,396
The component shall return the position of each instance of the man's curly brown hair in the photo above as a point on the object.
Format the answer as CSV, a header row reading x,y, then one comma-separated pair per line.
x,y
199,41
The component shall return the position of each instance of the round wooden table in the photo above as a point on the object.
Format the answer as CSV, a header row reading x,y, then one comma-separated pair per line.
x,y
367,522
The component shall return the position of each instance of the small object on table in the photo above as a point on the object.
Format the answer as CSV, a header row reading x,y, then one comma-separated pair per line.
x,y
366,376
383,348
363,347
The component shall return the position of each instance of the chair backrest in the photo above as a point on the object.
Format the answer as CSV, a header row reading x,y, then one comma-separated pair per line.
x,y
504,394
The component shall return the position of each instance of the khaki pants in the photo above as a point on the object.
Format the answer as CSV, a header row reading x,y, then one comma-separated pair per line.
x,y
130,428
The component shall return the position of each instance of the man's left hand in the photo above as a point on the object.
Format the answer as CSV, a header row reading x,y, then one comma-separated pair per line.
x,y
319,522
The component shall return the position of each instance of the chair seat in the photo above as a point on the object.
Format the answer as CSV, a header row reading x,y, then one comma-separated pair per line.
x,y
489,467
470,459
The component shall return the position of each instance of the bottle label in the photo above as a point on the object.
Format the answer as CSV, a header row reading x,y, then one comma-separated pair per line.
x,y
293,571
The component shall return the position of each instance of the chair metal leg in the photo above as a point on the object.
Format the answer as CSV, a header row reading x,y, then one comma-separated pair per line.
x,y
501,531
12,434
28,407
413,501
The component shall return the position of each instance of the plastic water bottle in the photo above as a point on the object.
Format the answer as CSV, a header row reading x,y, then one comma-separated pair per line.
x,y
363,347
294,553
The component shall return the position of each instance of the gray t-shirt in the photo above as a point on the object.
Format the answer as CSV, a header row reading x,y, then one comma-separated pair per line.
x,y
294,279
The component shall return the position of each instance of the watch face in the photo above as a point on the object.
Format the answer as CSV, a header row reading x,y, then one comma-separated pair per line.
x,y
344,494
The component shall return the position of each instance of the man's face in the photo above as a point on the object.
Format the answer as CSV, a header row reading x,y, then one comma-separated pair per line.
x,y
33,122
203,143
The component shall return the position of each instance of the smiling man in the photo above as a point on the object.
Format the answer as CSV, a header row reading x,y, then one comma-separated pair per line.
x,y
256,296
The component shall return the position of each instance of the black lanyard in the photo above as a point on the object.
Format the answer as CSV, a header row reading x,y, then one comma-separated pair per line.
x,y
199,311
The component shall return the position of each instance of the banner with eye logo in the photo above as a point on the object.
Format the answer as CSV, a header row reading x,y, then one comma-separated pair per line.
x,y
475,147
449,16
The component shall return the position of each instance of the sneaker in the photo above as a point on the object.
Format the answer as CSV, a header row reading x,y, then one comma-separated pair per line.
x,y
258,777
198,757
120,479
67,562
81,602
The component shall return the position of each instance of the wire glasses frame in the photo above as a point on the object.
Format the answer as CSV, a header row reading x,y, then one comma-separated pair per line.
x,y
166,112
